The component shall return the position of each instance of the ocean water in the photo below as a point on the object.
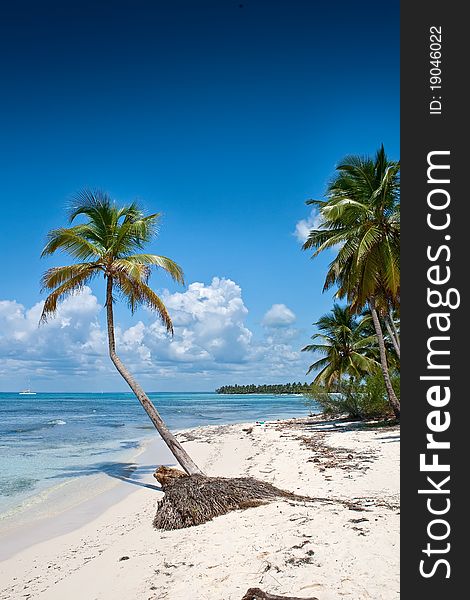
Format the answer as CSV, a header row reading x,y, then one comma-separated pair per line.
x,y
47,440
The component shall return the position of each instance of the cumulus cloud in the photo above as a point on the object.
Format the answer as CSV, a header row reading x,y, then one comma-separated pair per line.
x,y
73,337
209,328
212,341
279,315
210,319
304,226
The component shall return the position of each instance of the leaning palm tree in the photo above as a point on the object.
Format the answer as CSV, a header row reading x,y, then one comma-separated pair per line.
x,y
361,218
346,349
110,244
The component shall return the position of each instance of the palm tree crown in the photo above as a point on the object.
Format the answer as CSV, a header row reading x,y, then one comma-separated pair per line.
x,y
346,346
361,216
110,242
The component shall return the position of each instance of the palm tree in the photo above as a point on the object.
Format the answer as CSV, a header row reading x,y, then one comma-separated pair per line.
x,y
346,349
361,217
110,243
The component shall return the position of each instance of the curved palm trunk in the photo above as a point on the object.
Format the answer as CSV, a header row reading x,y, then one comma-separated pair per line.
x,y
395,342
392,323
394,402
175,447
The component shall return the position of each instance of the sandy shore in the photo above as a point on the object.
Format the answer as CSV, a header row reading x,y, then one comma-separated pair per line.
x,y
65,508
345,548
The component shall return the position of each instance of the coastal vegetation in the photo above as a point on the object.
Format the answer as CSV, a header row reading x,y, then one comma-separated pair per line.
x,y
363,399
360,223
110,243
277,388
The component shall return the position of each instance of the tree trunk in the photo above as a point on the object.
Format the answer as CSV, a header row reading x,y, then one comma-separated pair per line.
x,y
394,402
394,327
395,342
173,444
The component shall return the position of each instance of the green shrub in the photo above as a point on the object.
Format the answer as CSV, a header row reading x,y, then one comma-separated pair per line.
x,y
365,399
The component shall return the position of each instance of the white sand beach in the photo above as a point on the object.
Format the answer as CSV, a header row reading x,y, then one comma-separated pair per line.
x,y
346,548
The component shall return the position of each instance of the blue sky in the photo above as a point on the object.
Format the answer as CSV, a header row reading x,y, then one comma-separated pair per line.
x,y
225,116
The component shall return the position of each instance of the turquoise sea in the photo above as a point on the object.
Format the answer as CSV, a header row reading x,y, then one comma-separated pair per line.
x,y
48,439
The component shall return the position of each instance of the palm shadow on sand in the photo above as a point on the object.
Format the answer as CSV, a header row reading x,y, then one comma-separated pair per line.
x,y
124,471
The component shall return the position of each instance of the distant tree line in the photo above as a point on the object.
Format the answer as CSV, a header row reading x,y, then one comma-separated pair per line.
x,y
277,388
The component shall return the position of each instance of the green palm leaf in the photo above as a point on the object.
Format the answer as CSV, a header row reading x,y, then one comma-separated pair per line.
x,y
56,276
361,215
69,287
345,349
109,241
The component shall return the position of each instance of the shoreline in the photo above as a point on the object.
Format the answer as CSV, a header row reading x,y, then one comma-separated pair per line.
x,y
40,477
52,514
72,497
61,511
275,545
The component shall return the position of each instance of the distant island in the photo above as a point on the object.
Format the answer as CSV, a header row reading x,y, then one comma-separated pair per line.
x,y
277,388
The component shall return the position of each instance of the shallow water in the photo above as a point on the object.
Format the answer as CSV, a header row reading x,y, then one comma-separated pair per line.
x,y
47,440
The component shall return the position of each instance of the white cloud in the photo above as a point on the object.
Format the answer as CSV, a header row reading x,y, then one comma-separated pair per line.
x,y
70,341
304,226
212,341
279,315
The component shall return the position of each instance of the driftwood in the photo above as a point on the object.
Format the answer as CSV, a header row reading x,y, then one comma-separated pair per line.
x,y
257,594
195,499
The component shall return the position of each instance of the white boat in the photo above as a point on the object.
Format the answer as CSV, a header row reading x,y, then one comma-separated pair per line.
x,y
27,391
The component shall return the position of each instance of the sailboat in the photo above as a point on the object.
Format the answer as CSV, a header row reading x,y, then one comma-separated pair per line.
x,y
28,391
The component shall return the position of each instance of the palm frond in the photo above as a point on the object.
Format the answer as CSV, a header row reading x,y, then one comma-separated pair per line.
x,y
163,262
133,233
139,293
58,275
74,241
135,270
110,240
319,364
95,204
67,288
361,217
154,302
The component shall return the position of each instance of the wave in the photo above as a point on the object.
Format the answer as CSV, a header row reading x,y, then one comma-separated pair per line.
x,y
36,426
208,417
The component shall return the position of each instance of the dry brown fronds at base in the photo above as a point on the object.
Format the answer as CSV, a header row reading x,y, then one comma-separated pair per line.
x,y
195,499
